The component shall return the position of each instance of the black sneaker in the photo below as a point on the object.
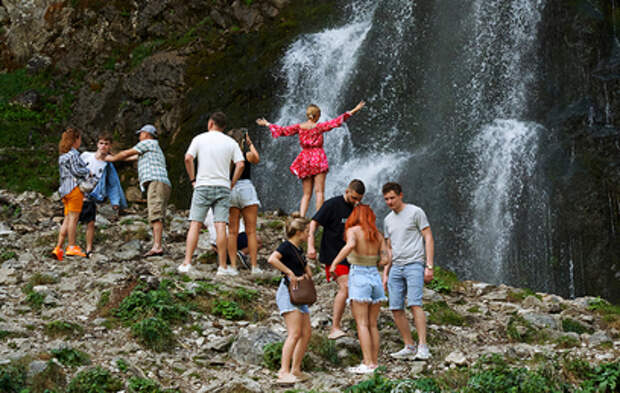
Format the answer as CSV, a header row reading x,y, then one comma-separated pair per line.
x,y
243,259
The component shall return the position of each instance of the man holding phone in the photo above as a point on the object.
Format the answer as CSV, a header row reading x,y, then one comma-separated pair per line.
x,y
411,246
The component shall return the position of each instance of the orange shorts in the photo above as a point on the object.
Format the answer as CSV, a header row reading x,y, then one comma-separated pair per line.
x,y
341,270
73,201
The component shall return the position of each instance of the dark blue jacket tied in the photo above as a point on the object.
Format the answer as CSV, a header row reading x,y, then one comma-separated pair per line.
x,y
109,186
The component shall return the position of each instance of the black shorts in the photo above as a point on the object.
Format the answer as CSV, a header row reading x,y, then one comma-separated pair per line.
x,y
89,211
242,241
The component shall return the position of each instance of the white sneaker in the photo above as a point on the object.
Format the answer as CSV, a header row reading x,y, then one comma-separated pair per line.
x,y
232,271
423,353
406,353
361,369
222,271
184,268
257,271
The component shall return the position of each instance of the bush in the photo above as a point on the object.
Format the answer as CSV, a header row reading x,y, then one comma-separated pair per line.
x,y
154,333
227,309
12,378
570,325
603,378
71,357
272,355
442,314
379,384
142,304
95,380
443,280
63,328
145,385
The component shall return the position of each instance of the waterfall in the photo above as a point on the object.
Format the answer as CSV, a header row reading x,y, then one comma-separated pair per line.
x,y
317,68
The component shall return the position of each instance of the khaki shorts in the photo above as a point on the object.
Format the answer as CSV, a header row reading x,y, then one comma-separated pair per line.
x,y
157,196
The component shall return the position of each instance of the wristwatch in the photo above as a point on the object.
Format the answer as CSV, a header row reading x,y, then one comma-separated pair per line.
x,y
428,267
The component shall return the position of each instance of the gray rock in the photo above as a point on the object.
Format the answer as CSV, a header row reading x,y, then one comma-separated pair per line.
x,y
249,345
498,295
7,276
417,367
540,320
4,229
128,251
36,367
598,338
428,295
38,63
456,357
532,302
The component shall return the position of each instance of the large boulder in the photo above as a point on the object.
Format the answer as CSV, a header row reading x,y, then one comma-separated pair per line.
x,y
250,343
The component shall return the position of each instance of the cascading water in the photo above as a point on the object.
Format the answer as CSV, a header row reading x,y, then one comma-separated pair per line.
x,y
450,89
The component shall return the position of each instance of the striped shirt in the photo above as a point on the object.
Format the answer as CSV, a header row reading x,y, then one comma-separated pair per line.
x,y
151,164
71,168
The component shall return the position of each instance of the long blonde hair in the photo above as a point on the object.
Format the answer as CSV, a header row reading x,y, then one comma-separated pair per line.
x,y
68,139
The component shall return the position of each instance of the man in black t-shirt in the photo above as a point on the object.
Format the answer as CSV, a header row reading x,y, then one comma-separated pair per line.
x,y
332,216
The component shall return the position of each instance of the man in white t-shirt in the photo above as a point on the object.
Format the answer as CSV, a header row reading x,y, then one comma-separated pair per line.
x,y
214,151
96,165
411,246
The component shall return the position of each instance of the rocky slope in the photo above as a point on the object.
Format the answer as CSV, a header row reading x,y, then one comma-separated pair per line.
x,y
94,305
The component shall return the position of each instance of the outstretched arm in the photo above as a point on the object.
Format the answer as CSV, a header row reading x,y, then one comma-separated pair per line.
x,y
278,131
122,156
357,108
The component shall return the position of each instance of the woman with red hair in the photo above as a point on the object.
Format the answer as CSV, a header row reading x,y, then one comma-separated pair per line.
x,y
365,250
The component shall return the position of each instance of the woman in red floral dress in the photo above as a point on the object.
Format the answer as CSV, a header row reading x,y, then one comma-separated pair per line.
x,y
311,164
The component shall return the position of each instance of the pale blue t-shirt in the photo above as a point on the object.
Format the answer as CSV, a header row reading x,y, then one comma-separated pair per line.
x,y
404,230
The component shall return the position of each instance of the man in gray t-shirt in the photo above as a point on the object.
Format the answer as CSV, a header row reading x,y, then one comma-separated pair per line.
x,y
410,244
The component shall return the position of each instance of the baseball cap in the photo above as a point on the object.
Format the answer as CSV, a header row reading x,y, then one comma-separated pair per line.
x,y
148,128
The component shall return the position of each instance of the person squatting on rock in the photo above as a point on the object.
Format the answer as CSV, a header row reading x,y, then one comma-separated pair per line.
x,y
153,178
364,248
311,164
72,170
411,246
244,201
108,186
215,151
332,216
289,259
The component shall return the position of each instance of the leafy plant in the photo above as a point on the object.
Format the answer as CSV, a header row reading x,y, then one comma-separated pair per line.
x,y
141,304
154,333
228,309
145,385
443,280
95,380
521,330
63,328
441,314
12,378
603,378
570,325
71,357
122,364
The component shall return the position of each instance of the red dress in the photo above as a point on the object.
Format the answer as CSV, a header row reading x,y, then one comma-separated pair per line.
x,y
312,159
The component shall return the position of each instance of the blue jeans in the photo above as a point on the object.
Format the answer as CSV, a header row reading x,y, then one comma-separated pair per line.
x,y
283,300
406,280
205,197
365,285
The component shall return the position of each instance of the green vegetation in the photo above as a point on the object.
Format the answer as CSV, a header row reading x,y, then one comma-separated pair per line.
x,y
443,280
71,357
28,160
442,314
272,355
145,385
95,380
609,312
63,328
518,296
227,309
570,325
154,333
6,254
12,378
520,330
380,384
122,364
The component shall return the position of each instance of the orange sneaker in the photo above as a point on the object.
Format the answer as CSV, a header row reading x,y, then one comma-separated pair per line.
x,y
76,251
58,253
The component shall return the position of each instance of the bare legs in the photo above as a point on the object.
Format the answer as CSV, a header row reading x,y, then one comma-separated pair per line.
x,y
307,185
402,323
340,302
249,218
192,241
294,348
366,315
249,214
90,236
158,230
68,229
316,182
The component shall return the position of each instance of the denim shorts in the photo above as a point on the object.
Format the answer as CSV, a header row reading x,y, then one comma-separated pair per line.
x,y
283,300
365,285
205,197
406,280
243,194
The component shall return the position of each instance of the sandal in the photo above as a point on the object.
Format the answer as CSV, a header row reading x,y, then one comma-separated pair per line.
x,y
336,335
152,253
302,376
